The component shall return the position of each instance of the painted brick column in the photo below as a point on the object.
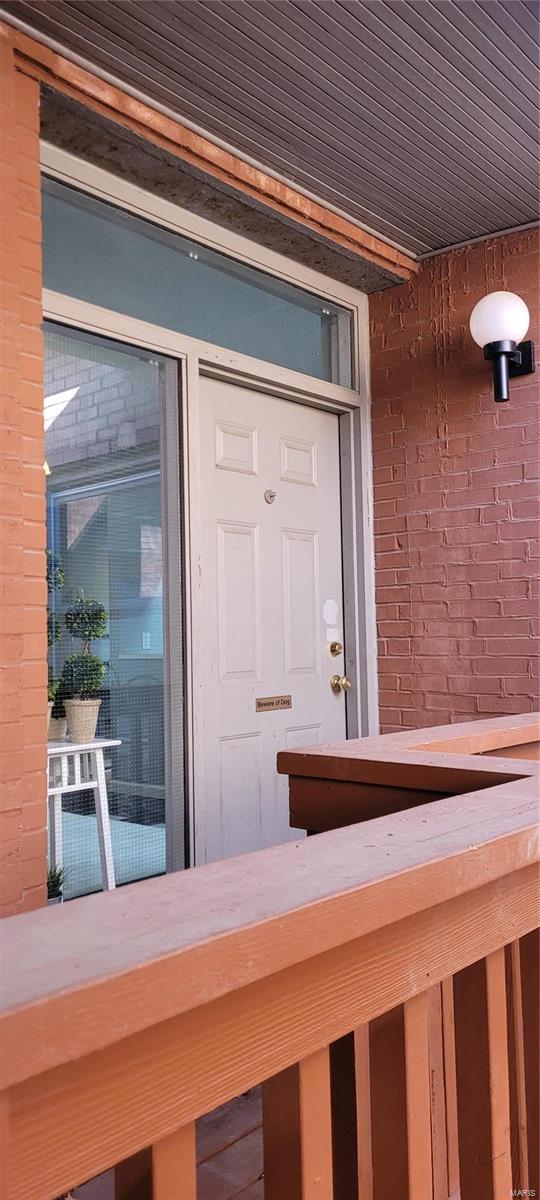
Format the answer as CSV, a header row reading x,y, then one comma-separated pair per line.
x,y
456,496
23,594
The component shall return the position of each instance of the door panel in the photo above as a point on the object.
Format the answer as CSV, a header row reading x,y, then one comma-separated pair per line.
x,y
271,586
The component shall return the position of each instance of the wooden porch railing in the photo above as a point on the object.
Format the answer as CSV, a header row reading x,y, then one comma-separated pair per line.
x,y
127,1016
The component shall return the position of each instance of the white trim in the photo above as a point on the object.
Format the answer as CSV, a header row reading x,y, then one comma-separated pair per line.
x,y
214,360
104,185
353,407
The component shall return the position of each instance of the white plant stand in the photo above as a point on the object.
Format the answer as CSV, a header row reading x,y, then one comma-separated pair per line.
x,y
78,767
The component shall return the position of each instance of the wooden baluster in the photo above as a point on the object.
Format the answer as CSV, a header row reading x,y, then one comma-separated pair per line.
x,y
297,1131
529,947
498,1073
417,1080
516,1066
281,1135
482,1079
174,1166
316,1126
439,1149
450,1085
363,1113
388,1104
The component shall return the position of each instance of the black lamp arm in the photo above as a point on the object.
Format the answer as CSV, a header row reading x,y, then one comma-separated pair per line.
x,y
508,362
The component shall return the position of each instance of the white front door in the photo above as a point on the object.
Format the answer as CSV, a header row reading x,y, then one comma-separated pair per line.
x,y
271,596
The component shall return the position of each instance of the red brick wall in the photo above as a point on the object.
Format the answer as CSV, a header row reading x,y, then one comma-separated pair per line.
x,y
23,641
456,496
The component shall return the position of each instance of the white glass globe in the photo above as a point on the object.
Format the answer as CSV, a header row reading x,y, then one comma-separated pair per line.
x,y
499,317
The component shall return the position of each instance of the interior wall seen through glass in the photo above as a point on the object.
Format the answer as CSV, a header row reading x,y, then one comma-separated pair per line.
x,y
109,257
103,462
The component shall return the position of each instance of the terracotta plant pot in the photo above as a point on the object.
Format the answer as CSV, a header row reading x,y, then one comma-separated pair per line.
x,y
57,729
82,718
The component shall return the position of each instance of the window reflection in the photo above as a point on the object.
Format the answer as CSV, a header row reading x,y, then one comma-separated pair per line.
x,y
102,414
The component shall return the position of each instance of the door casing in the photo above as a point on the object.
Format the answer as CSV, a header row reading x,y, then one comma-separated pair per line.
x,y
181,451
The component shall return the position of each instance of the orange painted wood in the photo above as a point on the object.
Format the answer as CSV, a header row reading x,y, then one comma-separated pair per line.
x,y
472,1082
133,1177
193,989
439,1148
177,1070
498,1073
516,1062
322,804
450,1084
529,751
173,1166
343,1093
297,1131
482,735
479,737
332,800
281,1135
196,150
530,976
364,1154
502,731
416,769
443,747
417,1082
317,894
388,1104
482,1079
316,1126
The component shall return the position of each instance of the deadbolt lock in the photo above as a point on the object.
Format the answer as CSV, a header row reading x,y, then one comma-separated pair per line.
x,y
336,648
340,683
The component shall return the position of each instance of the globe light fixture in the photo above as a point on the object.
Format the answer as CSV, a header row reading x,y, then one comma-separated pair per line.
x,y
498,325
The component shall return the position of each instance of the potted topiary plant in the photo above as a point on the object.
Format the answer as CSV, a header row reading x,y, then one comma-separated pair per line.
x,y
83,673
57,724
55,581
56,878
53,686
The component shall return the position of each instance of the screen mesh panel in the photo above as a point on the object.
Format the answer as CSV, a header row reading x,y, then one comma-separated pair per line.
x,y
103,458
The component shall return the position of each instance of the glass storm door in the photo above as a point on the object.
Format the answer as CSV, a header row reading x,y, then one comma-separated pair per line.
x,y
106,409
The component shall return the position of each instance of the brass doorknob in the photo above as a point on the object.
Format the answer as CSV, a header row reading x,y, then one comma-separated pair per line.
x,y
340,683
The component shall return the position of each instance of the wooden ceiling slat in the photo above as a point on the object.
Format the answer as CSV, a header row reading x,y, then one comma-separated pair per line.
x,y
416,118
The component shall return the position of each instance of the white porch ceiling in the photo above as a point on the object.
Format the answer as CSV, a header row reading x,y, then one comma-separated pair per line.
x,y
417,118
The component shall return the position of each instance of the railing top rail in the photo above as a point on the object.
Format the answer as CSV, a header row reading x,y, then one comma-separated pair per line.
x,y
504,731
451,747
473,737
83,977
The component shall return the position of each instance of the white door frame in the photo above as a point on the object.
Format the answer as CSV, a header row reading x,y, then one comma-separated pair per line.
x,y
198,358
